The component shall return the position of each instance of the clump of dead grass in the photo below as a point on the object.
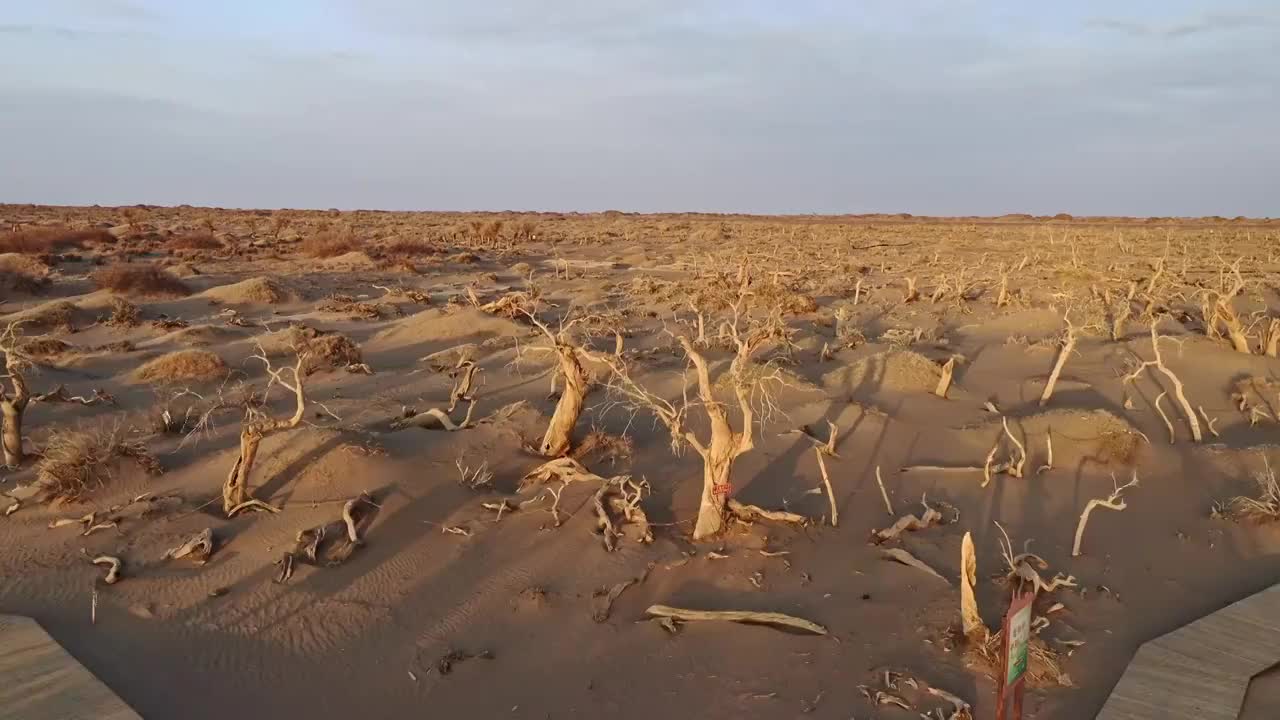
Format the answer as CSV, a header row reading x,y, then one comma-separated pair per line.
x,y
38,240
195,241
1119,446
330,243
321,350
124,314
193,365
604,446
145,280
410,247
1265,508
77,462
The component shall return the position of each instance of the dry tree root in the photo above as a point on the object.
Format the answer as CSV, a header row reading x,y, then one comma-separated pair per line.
x,y
464,383
906,558
1025,566
253,504
602,600
910,523
751,513
435,419
1113,502
199,548
565,469
770,619
257,425
113,566
826,481
616,503
332,543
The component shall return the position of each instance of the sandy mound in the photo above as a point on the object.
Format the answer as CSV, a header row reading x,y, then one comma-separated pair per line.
x,y
202,335
355,258
182,365
23,264
467,323
253,290
54,315
325,349
892,370
184,270
44,347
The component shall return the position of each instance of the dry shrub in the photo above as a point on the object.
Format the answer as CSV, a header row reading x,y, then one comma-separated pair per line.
x,y
77,462
139,280
604,446
322,349
1119,446
1044,666
182,365
464,258
329,244
123,313
1266,506
195,241
18,282
347,305
34,241
410,247
43,347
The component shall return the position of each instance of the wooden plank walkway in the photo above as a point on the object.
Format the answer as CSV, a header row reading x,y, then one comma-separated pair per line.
x,y
1201,671
40,681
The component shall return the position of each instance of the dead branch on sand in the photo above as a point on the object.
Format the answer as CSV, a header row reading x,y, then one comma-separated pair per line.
x,y
974,629
1158,363
1068,346
198,547
771,619
1115,501
113,566
906,558
910,523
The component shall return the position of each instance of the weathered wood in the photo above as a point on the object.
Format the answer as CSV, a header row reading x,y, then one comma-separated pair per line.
x,y
1202,670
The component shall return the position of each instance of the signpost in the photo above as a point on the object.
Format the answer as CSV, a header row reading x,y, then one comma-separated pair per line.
x,y
1013,661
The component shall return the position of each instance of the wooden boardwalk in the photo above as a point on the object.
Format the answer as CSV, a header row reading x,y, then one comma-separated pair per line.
x,y
1201,671
41,681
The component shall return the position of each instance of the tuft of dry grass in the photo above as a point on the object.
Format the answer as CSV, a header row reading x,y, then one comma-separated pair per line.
x,y
19,282
34,241
323,349
77,462
410,247
53,315
1266,506
329,244
123,313
1119,446
195,241
182,365
139,280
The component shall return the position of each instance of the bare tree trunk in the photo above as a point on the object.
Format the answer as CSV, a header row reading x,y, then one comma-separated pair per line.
x,y
236,489
716,468
559,434
13,455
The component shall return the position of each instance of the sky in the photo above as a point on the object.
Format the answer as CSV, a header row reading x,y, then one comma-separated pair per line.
x,y
943,107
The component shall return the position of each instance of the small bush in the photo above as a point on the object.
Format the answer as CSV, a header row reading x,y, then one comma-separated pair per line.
x,y
34,241
410,247
329,244
16,281
123,313
139,280
77,462
195,241
182,365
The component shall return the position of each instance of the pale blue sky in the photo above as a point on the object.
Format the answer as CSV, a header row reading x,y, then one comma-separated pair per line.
x,y
923,106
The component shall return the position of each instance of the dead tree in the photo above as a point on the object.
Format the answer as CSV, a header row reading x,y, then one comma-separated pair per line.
x,y
569,356
13,402
256,426
725,444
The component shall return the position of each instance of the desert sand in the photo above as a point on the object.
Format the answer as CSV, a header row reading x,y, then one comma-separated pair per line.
x,y
147,337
